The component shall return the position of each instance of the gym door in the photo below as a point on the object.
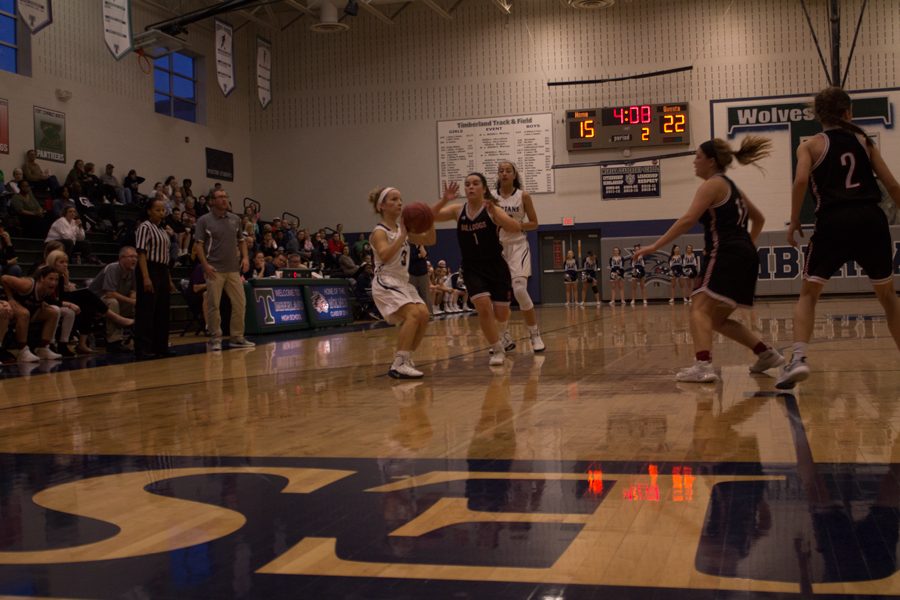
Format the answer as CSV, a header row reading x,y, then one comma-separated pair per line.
x,y
553,248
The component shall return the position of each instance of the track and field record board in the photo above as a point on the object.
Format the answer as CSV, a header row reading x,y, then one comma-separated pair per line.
x,y
470,145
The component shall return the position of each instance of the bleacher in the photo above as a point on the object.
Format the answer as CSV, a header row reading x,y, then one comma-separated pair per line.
x,y
30,252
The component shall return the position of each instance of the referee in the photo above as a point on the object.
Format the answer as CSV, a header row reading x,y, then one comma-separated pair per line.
x,y
153,283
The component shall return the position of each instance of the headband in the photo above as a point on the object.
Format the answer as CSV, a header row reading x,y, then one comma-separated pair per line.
x,y
383,195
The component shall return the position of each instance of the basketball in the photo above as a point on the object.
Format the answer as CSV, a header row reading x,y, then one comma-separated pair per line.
x,y
417,217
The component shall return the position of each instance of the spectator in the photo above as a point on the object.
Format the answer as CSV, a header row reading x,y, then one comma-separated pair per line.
x,y
174,226
90,183
202,207
13,184
339,233
294,261
268,245
260,268
348,267
40,179
335,245
169,186
29,211
219,237
280,261
68,230
153,284
131,184
358,245
28,300
114,285
418,272
186,190
111,188
75,178
305,245
9,263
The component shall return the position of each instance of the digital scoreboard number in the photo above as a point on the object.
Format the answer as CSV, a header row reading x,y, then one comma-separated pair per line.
x,y
628,126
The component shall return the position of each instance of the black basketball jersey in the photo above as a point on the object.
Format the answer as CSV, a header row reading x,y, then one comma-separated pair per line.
x,y
843,174
29,300
478,238
726,221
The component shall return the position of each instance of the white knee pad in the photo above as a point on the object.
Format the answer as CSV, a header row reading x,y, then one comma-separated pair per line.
x,y
520,291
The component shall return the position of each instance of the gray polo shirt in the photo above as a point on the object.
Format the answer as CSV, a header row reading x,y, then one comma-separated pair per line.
x,y
113,278
221,238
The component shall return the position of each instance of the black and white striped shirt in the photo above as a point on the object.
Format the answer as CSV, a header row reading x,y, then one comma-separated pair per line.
x,y
154,241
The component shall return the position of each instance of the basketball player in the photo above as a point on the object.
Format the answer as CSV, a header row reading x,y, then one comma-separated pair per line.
x,y
589,278
570,277
638,273
690,267
616,276
841,163
396,298
676,271
728,276
516,202
487,275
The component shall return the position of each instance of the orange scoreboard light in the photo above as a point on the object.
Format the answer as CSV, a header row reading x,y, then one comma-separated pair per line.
x,y
628,126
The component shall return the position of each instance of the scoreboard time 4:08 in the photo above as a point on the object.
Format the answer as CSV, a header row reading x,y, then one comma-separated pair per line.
x,y
628,126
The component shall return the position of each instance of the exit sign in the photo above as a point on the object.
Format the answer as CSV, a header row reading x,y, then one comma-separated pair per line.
x,y
568,221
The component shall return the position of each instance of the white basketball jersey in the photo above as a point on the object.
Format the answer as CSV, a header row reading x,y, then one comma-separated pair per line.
x,y
397,268
513,207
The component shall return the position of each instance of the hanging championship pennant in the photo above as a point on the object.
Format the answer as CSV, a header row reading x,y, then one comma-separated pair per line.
x,y
117,26
263,71
225,56
36,14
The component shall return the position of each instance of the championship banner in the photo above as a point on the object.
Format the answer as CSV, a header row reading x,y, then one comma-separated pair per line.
x,y
117,27
4,126
50,134
263,71
225,56
37,14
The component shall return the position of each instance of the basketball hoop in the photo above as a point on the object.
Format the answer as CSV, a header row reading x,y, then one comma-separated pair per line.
x,y
143,61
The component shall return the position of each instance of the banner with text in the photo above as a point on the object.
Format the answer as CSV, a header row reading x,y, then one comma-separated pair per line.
x,y
629,182
263,71
117,27
36,14
481,144
219,164
50,134
225,57
4,126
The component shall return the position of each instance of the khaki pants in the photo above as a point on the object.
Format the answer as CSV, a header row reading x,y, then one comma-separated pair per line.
x,y
113,331
234,287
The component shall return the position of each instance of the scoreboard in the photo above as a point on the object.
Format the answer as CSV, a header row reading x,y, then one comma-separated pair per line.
x,y
628,126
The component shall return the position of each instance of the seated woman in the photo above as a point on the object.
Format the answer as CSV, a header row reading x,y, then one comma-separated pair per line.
x,y
82,303
259,268
27,298
68,230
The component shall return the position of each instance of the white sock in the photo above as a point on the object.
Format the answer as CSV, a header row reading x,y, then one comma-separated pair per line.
x,y
498,347
502,326
798,350
532,329
401,357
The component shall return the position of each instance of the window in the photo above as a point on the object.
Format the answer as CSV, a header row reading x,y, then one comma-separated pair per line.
x,y
9,49
175,86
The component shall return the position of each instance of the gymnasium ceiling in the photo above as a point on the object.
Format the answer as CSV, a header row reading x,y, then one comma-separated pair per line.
x,y
276,15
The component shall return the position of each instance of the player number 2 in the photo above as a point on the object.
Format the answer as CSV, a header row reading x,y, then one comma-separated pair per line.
x,y
847,159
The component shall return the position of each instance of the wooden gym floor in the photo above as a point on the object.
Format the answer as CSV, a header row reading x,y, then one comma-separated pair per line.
x,y
298,469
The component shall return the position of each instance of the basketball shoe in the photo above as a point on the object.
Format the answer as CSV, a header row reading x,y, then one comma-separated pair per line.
x,y
700,372
767,360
